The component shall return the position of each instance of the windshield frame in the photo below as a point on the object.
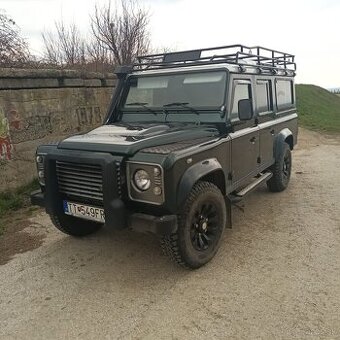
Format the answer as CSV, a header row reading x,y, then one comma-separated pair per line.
x,y
122,109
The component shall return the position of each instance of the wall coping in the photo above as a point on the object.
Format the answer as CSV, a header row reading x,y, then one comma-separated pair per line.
x,y
52,73
21,79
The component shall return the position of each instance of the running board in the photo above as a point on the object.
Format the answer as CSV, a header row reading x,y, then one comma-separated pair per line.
x,y
236,197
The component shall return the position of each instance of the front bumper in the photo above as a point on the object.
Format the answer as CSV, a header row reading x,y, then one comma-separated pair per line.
x,y
163,225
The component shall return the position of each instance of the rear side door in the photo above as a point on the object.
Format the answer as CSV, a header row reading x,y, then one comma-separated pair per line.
x,y
266,120
245,138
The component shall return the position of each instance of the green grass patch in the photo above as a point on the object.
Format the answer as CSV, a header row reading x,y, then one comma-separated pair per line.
x,y
13,200
318,108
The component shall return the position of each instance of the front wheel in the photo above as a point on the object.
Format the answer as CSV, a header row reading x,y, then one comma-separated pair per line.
x,y
281,170
200,227
74,226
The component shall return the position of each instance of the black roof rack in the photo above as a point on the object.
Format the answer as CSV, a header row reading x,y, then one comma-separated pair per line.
x,y
261,58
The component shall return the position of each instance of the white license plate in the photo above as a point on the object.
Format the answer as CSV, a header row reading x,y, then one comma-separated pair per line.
x,y
87,212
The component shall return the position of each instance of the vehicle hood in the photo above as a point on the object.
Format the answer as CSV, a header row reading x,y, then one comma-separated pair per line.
x,y
127,138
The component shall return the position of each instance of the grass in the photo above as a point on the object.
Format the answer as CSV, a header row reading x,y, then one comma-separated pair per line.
x,y
318,109
13,200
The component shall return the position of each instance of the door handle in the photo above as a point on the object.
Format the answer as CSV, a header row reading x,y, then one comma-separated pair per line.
x,y
252,140
272,132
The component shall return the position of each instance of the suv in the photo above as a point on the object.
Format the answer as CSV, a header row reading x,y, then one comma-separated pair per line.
x,y
187,135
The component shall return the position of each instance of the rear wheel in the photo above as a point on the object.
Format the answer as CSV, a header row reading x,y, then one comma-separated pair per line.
x,y
200,227
281,170
74,226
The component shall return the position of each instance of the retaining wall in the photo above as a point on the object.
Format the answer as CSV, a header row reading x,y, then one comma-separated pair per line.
x,y
38,106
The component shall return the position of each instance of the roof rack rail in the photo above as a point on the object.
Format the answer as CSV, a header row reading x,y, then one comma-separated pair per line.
x,y
261,58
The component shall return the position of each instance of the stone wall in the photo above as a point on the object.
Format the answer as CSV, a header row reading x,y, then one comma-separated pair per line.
x,y
38,106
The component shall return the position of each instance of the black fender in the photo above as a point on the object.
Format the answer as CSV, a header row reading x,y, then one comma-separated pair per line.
x,y
284,136
194,174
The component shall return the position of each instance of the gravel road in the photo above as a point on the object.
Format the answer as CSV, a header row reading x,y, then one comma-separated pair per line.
x,y
277,274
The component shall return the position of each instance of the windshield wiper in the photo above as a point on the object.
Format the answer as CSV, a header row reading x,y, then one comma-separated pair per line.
x,y
142,105
184,105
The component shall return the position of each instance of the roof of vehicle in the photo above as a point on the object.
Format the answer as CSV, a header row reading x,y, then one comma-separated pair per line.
x,y
235,58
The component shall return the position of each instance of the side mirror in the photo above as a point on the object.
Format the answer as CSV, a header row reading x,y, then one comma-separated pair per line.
x,y
245,109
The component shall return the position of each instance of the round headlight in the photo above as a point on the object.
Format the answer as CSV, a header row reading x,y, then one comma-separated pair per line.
x,y
142,180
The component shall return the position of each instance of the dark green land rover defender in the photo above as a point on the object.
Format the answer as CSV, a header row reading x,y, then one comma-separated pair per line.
x,y
187,135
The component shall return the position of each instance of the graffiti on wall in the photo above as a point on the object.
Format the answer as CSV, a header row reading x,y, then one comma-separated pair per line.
x,y
88,115
30,128
36,126
6,146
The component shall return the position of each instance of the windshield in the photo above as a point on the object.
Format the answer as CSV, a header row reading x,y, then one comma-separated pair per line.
x,y
185,91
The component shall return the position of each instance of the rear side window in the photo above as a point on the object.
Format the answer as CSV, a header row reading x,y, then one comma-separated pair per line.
x,y
242,90
284,94
264,97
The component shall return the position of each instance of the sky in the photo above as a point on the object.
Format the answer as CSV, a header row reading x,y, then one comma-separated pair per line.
x,y
309,29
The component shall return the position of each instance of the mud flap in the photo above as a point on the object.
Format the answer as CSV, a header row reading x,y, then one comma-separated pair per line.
x,y
228,210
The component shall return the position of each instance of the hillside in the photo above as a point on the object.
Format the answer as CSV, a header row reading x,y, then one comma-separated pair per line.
x,y
318,108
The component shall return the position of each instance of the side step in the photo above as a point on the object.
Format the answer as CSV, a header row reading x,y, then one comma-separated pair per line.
x,y
237,197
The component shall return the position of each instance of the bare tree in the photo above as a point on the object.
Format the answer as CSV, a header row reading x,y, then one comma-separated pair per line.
x,y
98,56
52,53
64,47
13,48
123,30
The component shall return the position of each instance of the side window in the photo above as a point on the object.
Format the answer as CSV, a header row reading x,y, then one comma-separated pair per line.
x,y
242,90
264,97
284,94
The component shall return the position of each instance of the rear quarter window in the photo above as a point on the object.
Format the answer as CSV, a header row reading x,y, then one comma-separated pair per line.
x,y
284,93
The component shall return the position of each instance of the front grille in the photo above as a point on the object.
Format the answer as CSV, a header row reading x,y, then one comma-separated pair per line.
x,y
83,182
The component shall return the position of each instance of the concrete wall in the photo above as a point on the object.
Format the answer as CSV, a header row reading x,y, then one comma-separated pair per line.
x,y
38,106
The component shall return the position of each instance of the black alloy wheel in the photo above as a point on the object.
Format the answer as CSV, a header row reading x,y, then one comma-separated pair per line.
x,y
204,228
201,224
281,170
286,167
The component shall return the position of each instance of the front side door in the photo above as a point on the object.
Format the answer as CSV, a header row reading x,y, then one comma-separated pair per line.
x,y
245,138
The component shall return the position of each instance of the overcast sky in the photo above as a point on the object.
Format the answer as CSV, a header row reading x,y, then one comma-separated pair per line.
x,y
308,29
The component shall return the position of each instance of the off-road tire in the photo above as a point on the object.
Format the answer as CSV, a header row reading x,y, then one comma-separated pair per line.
x,y
182,246
281,170
74,226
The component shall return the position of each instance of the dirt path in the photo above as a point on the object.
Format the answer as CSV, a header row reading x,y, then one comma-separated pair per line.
x,y
277,274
